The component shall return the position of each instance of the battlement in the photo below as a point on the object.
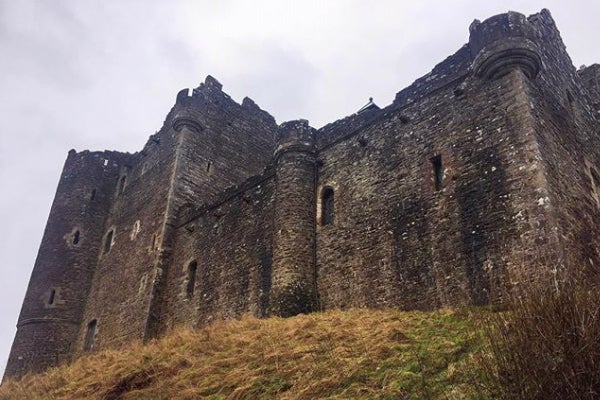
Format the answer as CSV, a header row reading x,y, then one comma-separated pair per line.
x,y
295,136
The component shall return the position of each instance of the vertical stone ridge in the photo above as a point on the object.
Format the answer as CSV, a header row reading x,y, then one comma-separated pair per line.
x,y
293,281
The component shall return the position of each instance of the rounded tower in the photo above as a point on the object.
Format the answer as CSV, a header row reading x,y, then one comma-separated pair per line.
x,y
293,277
54,303
502,43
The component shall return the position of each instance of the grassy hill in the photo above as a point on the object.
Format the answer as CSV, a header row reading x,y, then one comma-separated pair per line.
x,y
358,353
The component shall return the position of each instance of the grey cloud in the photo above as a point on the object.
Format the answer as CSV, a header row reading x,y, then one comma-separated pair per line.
x,y
280,81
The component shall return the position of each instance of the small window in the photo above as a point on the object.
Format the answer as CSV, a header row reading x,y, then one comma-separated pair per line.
x,y
595,178
438,172
52,297
90,335
76,237
191,279
93,194
208,166
122,184
327,207
595,181
108,241
570,97
135,229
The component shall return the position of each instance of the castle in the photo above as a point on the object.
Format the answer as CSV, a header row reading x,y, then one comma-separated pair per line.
x,y
481,176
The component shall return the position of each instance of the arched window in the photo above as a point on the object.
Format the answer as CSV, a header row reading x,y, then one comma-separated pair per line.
x,y
327,206
90,335
122,184
108,241
191,279
76,238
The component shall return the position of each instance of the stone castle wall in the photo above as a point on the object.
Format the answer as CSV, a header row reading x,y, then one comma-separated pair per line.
x,y
479,178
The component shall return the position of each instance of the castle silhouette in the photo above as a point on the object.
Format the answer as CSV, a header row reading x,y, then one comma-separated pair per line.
x,y
480,177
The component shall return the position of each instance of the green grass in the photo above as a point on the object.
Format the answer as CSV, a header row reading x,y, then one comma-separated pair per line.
x,y
366,354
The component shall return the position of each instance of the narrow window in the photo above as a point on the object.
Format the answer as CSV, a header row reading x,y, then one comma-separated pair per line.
x,y
76,237
208,166
595,178
570,97
90,335
52,297
108,241
191,282
93,194
122,184
135,230
595,183
437,171
153,242
327,207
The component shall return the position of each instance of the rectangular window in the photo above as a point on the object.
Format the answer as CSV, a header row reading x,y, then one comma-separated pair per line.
x,y
327,206
191,283
438,172
90,335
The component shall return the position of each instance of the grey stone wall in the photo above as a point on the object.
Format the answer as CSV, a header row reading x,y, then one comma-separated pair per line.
x,y
480,178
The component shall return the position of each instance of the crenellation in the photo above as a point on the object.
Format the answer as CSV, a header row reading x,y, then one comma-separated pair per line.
x,y
480,178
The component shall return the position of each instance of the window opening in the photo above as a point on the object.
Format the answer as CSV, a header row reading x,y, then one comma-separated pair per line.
x,y
122,184
569,97
135,229
52,297
208,166
327,207
76,237
191,283
595,178
108,241
90,335
437,171
93,194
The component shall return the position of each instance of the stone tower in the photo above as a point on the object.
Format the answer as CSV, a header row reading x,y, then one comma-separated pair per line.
x,y
60,282
294,281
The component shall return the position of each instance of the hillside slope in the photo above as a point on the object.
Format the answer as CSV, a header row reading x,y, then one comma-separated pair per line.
x,y
339,354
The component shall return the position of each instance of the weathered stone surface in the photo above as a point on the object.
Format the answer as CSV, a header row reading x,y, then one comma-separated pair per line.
x,y
479,178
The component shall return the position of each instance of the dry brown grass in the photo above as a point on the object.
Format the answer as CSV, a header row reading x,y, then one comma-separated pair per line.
x,y
339,355
548,346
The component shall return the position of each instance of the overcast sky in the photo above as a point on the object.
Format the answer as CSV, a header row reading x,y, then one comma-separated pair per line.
x,y
103,74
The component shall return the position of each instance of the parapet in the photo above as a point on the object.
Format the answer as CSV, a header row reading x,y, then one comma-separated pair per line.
x,y
184,117
504,42
295,136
